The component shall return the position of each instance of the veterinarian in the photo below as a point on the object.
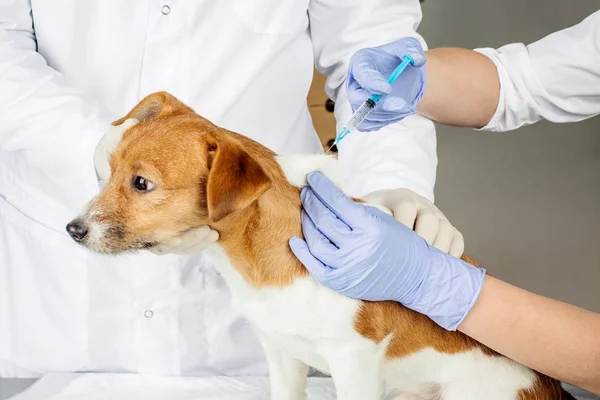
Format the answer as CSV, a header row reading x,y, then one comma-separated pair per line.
x,y
69,68
377,258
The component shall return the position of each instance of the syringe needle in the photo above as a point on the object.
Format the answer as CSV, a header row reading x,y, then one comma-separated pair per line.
x,y
331,147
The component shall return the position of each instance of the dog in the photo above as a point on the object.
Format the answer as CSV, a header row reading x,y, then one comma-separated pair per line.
x,y
175,170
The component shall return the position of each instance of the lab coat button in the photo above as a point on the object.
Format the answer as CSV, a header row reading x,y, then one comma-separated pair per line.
x,y
148,313
166,10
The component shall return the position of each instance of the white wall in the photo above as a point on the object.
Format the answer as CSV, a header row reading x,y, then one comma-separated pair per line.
x,y
528,201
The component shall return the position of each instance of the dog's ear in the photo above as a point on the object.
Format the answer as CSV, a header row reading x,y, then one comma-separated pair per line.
x,y
155,105
235,179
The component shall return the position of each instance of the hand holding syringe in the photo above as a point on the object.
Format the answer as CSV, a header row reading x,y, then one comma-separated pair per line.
x,y
365,109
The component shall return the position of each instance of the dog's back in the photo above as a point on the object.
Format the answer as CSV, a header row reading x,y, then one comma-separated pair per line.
x,y
421,351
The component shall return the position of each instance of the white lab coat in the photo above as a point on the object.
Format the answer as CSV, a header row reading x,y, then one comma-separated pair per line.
x,y
246,65
556,78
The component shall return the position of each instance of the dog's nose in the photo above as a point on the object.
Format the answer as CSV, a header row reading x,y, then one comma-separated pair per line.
x,y
77,230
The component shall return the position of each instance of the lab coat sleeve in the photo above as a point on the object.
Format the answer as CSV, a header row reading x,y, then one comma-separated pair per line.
x,y
48,130
401,155
556,78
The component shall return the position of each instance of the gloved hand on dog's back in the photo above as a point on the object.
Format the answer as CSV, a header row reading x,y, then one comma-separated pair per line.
x,y
188,243
364,253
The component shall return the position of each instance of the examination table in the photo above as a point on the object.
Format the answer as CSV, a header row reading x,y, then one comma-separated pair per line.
x,y
147,387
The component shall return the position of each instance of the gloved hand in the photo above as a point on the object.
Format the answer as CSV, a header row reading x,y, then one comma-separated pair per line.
x,y
364,253
368,72
107,145
418,213
190,242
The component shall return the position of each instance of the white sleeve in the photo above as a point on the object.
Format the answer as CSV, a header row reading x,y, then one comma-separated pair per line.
x,y
47,128
401,155
556,78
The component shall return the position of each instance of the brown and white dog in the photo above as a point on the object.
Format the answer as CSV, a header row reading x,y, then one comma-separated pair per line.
x,y
174,171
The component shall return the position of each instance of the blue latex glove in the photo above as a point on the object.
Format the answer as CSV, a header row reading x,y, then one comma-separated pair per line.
x,y
368,73
364,253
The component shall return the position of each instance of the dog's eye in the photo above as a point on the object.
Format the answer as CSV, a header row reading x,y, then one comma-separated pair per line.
x,y
142,184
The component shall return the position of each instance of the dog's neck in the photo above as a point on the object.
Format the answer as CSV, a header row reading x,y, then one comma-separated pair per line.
x,y
256,238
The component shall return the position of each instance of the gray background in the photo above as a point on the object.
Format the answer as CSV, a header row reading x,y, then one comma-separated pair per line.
x,y
527,201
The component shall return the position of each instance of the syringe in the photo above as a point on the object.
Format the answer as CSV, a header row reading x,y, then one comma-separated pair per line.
x,y
365,109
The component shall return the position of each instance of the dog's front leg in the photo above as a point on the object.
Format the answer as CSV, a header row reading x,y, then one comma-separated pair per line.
x,y
287,374
356,372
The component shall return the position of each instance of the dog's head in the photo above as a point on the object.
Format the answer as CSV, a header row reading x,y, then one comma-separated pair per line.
x,y
171,172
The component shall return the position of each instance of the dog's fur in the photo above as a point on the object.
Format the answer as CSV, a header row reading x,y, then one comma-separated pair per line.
x,y
205,175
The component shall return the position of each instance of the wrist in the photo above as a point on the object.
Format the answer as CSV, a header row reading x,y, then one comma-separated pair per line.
x,y
448,291
428,104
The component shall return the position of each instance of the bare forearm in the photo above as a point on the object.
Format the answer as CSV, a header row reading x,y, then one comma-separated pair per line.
x,y
554,338
463,88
